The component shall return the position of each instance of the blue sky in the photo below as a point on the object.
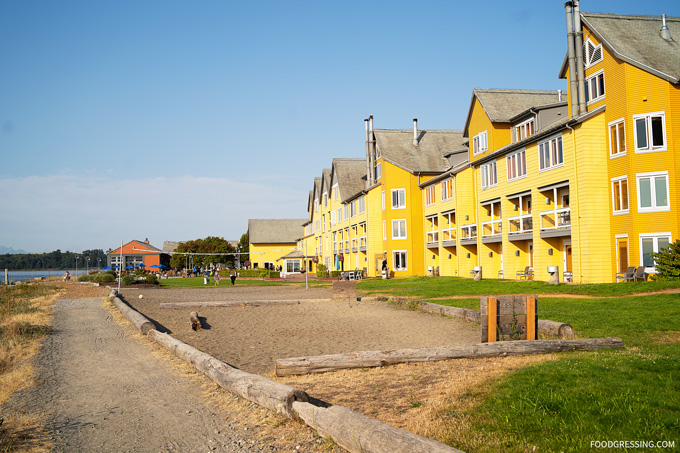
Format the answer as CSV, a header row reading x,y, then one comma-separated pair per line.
x,y
175,120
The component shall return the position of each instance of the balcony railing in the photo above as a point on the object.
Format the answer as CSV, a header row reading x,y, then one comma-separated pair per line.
x,y
432,237
491,228
520,224
556,219
362,243
449,234
468,232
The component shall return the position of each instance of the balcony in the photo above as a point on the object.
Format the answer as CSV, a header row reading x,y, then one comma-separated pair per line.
x,y
432,239
556,223
520,227
362,243
449,237
468,234
491,231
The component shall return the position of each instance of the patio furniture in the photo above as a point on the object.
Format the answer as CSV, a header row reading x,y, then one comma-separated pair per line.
x,y
640,274
567,276
526,274
627,276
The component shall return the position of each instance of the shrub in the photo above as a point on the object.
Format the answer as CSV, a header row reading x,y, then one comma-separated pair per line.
x,y
247,273
335,274
667,262
149,278
321,270
128,280
85,278
103,277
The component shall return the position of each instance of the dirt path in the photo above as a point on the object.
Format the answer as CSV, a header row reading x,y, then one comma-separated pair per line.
x,y
102,390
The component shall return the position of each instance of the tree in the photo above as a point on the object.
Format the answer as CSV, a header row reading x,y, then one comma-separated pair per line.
x,y
244,247
667,262
211,250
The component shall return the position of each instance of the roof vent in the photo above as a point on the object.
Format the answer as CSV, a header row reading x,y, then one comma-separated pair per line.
x,y
665,32
415,131
559,95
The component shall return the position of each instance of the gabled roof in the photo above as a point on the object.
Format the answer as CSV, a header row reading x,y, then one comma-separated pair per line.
x,y
170,246
349,174
636,40
144,247
275,231
317,189
396,147
325,181
502,106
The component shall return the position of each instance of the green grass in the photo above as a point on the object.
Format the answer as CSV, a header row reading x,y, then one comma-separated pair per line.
x,y
563,405
430,287
197,282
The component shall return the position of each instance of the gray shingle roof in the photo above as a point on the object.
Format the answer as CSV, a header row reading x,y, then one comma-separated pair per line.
x,y
396,147
349,175
502,106
275,231
636,40
171,246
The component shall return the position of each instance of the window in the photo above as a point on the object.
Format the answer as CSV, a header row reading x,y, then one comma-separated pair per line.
x,y
292,265
595,87
346,211
617,138
398,198
592,54
620,195
429,195
399,229
522,131
399,262
382,197
353,208
323,221
650,132
333,218
362,205
652,192
517,165
377,172
479,143
316,205
447,189
339,215
384,230
550,153
325,200
335,192
488,175
652,243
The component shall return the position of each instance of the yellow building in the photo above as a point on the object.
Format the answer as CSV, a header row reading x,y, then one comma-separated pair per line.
x,y
272,239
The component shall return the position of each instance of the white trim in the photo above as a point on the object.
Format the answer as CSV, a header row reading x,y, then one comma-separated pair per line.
x,y
405,252
383,200
480,143
549,141
621,121
384,230
653,175
449,193
392,199
486,172
620,211
405,229
656,236
517,166
599,97
433,191
650,148
587,62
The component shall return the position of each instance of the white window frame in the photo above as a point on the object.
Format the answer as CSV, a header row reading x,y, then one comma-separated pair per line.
x,y
488,175
655,237
353,208
325,199
588,61
399,223
361,205
378,171
614,182
523,130
650,148
519,164
401,197
430,195
382,196
620,123
335,192
447,189
346,213
549,165
480,143
652,186
404,253
384,230
599,86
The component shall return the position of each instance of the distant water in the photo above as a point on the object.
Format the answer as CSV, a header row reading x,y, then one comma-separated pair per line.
x,y
19,276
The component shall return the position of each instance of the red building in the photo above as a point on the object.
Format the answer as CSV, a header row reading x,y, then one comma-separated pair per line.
x,y
135,253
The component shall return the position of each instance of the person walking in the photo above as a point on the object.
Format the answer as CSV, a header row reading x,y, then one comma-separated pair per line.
x,y
232,275
217,277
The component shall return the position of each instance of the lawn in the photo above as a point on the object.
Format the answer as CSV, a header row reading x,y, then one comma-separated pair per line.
x,y
197,282
563,405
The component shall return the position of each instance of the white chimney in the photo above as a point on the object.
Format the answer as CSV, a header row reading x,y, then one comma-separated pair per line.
x,y
415,131
665,32
559,95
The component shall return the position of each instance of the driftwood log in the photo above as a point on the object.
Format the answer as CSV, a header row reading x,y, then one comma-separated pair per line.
x,y
253,303
135,317
195,322
556,329
367,359
253,387
356,432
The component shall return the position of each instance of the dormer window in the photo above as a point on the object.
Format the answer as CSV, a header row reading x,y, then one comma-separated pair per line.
x,y
592,54
523,130
479,143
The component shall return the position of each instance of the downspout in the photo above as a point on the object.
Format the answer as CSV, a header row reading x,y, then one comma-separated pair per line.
x,y
580,69
578,228
573,87
368,156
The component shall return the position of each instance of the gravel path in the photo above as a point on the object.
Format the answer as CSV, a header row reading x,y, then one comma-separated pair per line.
x,y
102,390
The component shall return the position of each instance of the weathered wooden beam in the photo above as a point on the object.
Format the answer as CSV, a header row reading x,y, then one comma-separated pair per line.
x,y
367,359
135,317
253,387
556,329
358,433
252,303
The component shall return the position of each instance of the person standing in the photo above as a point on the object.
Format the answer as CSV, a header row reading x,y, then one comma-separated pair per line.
x,y
232,275
217,277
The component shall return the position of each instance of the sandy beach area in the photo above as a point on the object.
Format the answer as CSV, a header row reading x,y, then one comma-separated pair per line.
x,y
253,337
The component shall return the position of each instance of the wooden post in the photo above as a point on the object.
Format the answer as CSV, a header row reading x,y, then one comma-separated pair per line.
x,y
493,319
531,318
6,277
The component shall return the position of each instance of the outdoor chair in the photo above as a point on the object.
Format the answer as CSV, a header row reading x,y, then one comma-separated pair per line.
x,y
627,276
640,274
526,274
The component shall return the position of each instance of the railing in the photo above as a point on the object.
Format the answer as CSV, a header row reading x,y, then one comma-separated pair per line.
x,y
433,237
362,243
346,245
449,234
491,228
468,232
520,224
556,219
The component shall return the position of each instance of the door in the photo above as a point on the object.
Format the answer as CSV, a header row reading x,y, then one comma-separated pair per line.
x,y
566,245
622,252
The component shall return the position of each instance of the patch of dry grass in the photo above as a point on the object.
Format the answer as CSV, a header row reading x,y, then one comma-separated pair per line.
x,y
670,337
